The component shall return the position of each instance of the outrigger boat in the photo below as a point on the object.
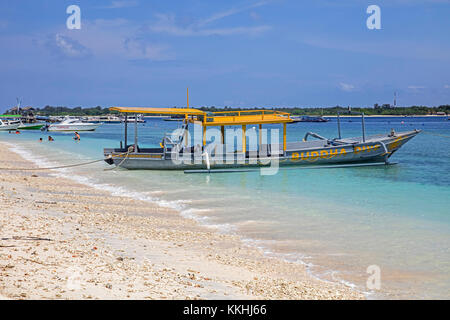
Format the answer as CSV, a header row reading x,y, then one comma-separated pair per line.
x,y
176,153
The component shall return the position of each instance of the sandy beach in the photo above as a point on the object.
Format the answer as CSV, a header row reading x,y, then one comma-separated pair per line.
x,y
64,240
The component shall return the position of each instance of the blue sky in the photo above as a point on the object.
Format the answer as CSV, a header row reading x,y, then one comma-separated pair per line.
x,y
239,53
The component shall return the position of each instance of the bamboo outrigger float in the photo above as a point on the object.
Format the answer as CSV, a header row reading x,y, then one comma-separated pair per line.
x,y
176,153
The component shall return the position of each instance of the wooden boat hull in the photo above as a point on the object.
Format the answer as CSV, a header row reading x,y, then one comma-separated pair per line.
x,y
375,149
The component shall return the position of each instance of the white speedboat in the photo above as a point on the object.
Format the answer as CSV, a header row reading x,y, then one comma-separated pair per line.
x,y
6,126
69,124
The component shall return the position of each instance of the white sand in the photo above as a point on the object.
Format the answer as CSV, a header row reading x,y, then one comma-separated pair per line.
x,y
105,247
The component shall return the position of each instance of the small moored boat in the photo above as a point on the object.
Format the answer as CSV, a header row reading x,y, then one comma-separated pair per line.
x,y
6,125
28,126
137,118
175,118
73,124
103,119
309,119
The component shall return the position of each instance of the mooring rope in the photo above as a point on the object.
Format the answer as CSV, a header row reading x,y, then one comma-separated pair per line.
x,y
436,134
130,149
51,168
64,166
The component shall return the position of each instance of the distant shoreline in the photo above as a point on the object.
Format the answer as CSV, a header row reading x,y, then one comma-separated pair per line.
x,y
388,116
376,111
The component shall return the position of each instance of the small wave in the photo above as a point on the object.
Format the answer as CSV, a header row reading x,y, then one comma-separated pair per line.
x,y
116,190
178,205
295,257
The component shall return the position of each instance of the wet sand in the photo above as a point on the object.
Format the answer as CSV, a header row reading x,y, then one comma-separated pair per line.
x,y
63,240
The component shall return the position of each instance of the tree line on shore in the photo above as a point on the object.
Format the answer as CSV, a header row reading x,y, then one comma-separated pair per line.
x,y
332,111
385,109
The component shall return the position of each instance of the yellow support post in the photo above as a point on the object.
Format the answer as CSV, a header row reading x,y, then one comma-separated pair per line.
x,y
284,136
186,132
204,135
244,140
259,135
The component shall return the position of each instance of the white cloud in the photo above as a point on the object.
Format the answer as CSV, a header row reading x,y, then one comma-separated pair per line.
x,y
104,38
416,87
232,11
381,3
109,23
67,47
118,39
117,4
254,15
346,87
167,24
137,49
401,48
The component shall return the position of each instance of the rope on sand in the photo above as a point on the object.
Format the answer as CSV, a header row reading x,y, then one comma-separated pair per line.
x,y
51,168
65,166
26,238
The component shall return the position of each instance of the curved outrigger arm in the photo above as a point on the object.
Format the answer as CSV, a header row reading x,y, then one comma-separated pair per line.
x,y
315,135
384,152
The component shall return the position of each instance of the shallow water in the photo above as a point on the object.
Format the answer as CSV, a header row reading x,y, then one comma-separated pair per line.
x,y
337,221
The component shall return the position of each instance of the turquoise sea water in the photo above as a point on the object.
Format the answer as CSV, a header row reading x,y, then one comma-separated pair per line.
x,y
337,221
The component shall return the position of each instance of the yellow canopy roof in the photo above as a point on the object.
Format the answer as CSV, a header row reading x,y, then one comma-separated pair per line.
x,y
184,111
247,119
244,117
223,118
